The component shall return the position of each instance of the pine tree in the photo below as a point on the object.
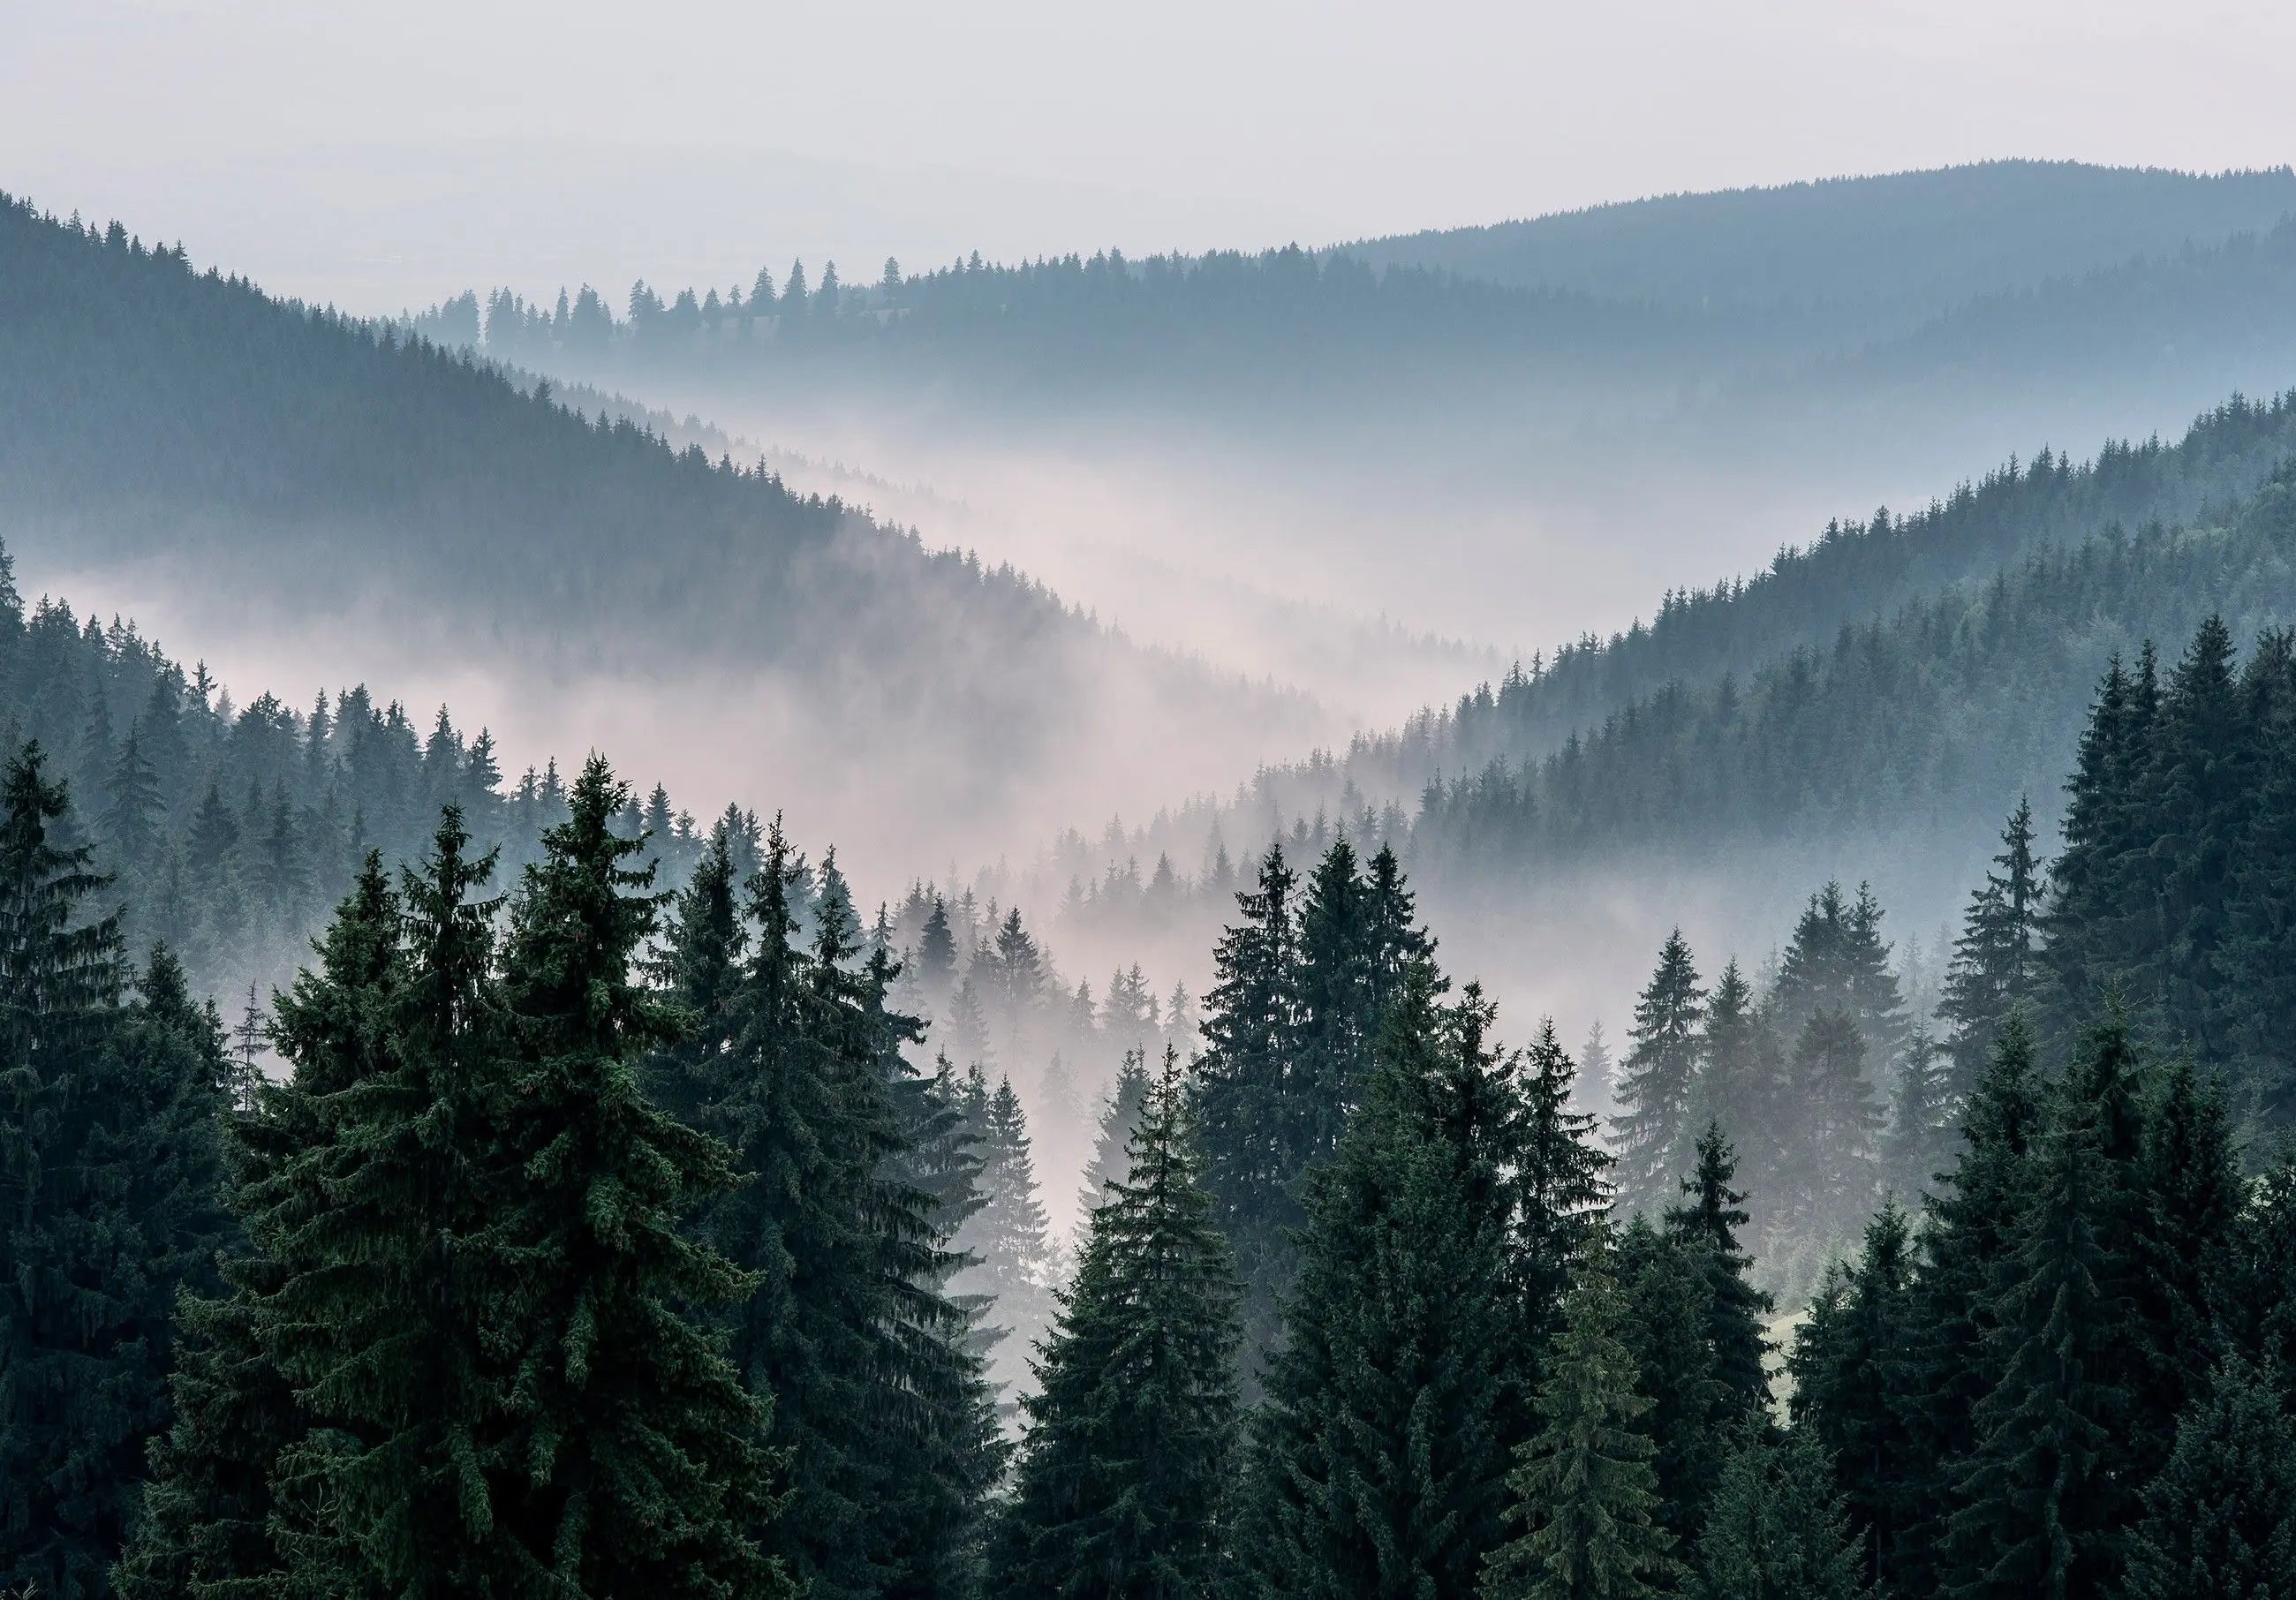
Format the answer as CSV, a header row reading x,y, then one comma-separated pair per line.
x,y
699,970
1669,1311
107,1172
2047,1497
1582,1485
1380,1453
1124,1483
1834,1171
1006,1245
1922,1118
1241,1081
1956,1352
208,1528
1707,1227
1658,1079
1593,1091
2220,1520
1996,957
876,1395
1738,1079
1778,1530
1119,1117
1853,1368
385,1319
639,1453
1561,1179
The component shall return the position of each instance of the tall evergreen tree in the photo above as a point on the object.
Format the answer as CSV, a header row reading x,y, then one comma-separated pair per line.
x,y
641,1467
208,1527
1669,1311
1380,1458
1778,1530
108,1173
2048,1496
1242,1081
1583,1485
1853,1368
1562,1185
1996,958
2220,1519
1706,1225
1124,1483
1658,1079
386,1315
1957,1346
1009,1254
1119,1117
876,1394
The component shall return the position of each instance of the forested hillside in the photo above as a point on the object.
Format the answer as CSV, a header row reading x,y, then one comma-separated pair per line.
x,y
1878,254
301,476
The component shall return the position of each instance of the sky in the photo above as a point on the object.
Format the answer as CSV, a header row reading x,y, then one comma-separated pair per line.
x,y
382,156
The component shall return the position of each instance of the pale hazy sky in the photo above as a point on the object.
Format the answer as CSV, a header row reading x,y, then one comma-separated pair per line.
x,y
386,154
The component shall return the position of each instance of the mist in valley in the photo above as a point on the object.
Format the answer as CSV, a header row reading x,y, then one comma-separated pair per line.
x,y
959,806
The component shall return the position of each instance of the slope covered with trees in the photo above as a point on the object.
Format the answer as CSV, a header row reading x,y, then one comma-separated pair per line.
x,y
306,474
1881,253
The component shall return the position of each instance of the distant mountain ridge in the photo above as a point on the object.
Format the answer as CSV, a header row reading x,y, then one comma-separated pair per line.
x,y
1905,246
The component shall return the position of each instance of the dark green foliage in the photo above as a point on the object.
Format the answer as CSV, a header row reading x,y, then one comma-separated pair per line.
x,y
1583,1484
108,1172
878,1400
1124,1483
1777,1528
1562,1185
1959,1350
1657,1081
2048,1495
1668,1315
2220,1520
1707,1226
636,1455
1853,1369
1242,1085
1380,1456
1996,958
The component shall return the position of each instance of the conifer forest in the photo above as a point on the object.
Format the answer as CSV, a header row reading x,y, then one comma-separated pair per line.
x,y
1412,826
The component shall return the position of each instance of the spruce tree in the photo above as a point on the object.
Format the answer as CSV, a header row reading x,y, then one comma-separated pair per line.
x,y
1738,1081
1658,1079
876,1394
208,1528
2046,1498
1241,1083
639,1460
1853,1369
1995,957
1120,1115
1777,1530
1009,1255
388,1315
108,1179
699,970
2219,1520
1582,1485
1834,1171
1380,1453
1562,1182
1670,1310
1124,1482
1707,1226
